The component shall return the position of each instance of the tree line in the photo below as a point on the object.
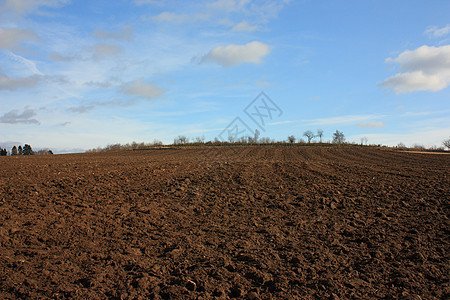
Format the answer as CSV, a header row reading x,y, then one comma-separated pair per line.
x,y
338,138
25,150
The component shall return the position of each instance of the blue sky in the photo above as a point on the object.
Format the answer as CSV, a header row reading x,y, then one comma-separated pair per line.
x,y
79,74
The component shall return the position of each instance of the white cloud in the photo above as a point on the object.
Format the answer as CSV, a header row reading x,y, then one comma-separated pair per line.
x,y
141,89
12,37
244,27
126,34
27,6
372,124
424,136
414,81
435,31
425,68
14,117
12,84
233,55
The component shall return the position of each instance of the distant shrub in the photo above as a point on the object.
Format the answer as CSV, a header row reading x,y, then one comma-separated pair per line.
x,y
418,147
44,152
291,139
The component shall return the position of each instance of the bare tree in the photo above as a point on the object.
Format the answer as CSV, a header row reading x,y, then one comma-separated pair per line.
x,y
200,140
309,135
257,133
319,134
338,137
44,152
265,140
446,143
157,142
181,140
364,140
291,139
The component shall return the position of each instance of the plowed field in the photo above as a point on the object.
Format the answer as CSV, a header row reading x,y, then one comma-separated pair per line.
x,y
254,222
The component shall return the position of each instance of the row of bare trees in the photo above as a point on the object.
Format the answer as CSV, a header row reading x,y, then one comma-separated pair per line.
x,y
338,137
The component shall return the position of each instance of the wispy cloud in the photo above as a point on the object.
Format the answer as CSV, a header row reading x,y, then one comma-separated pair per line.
x,y
104,50
283,122
349,119
171,17
244,26
126,34
435,31
149,2
103,84
264,84
223,13
372,124
84,108
424,69
29,64
232,55
80,109
64,58
228,5
15,117
28,6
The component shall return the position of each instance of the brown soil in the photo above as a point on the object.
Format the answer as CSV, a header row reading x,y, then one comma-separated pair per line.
x,y
238,222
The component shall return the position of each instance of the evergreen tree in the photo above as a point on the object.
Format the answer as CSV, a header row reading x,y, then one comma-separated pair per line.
x,y
27,150
20,151
14,150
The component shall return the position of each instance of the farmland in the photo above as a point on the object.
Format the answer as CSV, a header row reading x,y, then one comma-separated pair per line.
x,y
244,222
